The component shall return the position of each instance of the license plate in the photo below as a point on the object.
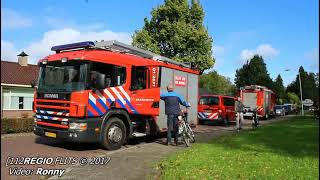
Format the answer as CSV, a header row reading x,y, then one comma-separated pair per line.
x,y
208,111
50,134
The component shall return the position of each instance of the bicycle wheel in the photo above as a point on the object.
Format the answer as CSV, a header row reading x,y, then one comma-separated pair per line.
x,y
191,134
254,124
186,139
185,136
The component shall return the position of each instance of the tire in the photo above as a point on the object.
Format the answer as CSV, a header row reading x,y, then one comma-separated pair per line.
x,y
254,124
201,122
191,134
226,121
186,138
113,134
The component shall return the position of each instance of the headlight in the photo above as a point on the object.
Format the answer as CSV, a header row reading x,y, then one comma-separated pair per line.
x,y
36,120
78,126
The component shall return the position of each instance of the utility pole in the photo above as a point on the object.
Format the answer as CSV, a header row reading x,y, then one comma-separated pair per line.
x,y
302,112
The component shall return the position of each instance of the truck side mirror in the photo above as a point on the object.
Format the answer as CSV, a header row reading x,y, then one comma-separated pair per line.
x,y
32,83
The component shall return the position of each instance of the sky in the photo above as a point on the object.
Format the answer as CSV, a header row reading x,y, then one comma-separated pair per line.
x,y
285,33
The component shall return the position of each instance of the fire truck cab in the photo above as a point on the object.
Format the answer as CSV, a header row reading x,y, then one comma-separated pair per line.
x,y
107,92
258,98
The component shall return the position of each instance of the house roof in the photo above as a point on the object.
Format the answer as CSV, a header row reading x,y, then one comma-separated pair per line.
x,y
23,54
13,73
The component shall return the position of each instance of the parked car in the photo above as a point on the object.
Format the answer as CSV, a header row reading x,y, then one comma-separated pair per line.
x,y
216,108
280,110
312,108
288,108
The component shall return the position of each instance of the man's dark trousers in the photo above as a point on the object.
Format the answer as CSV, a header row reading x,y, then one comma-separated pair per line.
x,y
172,124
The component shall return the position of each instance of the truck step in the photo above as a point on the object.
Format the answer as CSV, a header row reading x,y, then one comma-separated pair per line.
x,y
137,134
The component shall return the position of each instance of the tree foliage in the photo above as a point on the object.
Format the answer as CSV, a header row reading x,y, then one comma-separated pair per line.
x,y
176,31
292,98
310,89
316,78
216,84
279,89
253,72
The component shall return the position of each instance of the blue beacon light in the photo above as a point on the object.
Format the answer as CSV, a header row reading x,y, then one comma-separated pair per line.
x,y
85,44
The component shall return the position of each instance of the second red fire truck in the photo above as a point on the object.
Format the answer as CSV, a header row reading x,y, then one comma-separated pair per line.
x,y
258,98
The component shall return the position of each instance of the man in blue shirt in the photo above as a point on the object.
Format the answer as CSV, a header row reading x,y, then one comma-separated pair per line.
x,y
172,110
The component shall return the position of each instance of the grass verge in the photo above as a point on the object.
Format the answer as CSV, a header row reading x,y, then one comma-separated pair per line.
x,y
281,150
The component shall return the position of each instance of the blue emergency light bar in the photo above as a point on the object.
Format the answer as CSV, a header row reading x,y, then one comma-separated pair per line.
x,y
85,44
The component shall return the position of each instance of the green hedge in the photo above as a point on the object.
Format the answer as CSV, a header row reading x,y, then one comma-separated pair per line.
x,y
16,125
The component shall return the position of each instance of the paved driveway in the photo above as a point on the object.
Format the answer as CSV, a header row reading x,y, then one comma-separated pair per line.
x,y
129,162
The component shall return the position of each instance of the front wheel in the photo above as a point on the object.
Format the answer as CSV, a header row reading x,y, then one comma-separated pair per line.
x,y
185,134
191,134
113,134
226,122
254,121
186,138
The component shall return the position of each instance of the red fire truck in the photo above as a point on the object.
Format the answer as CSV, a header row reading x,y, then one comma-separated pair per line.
x,y
107,92
216,108
259,98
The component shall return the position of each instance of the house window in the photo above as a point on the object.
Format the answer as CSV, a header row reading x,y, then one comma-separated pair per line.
x,y
13,100
20,102
6,100
27,102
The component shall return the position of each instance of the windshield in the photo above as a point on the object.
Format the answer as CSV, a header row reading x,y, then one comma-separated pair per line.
x,y
209,100
286,107
62,77
278,107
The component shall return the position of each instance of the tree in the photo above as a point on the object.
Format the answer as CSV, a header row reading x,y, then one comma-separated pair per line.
x,y
216,84
308,85
253,72
176,31
292,98
316,78
279,89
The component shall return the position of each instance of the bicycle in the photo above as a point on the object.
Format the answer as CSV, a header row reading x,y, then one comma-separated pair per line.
x,y
185,130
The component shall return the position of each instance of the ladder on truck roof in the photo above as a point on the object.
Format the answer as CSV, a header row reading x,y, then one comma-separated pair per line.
x,y
256,87
117,46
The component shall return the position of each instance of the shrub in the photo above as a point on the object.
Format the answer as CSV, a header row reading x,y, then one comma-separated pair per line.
x,y
24,115
18,125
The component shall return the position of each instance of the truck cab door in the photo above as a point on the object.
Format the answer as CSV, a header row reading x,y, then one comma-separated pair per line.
x,y
145,93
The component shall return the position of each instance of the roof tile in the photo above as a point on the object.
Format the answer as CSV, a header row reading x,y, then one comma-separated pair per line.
x,y
13,73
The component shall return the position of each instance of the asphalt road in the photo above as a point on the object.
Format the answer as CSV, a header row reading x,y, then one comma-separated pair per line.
x,y
134,161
